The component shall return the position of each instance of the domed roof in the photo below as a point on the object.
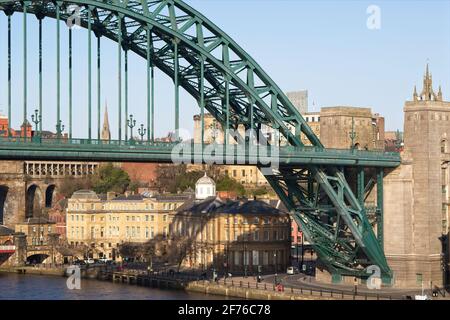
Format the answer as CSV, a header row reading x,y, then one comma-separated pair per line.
x,y
205,180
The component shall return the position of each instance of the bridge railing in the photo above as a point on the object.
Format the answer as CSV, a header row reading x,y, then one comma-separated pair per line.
x,y
168,146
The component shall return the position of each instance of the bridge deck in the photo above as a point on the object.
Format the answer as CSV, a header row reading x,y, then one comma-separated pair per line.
x,y
137,151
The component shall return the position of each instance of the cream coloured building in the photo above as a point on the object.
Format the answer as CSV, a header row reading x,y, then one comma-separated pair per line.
x,y
102,223
231,236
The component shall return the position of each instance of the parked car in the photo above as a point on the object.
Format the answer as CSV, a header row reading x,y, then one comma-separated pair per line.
x,y
89,261
292,270
103,260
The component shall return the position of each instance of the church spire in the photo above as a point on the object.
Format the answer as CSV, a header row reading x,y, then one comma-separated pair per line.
x,y
427,93
439,95
106,133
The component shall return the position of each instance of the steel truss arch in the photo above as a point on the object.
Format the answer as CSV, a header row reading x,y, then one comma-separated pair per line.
x,y
346,243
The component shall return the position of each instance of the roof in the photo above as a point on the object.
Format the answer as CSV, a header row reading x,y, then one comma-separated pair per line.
x,y
37,221
216,205
205,180
172,197
85,194
131,197
4,231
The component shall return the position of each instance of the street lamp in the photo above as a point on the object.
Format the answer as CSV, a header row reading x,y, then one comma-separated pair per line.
x,y
36,118
142,132
131,124
353,134
59,128
276,266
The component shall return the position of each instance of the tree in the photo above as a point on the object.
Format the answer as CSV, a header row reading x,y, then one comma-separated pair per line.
x,y
69,185
175,178
225,183
110,178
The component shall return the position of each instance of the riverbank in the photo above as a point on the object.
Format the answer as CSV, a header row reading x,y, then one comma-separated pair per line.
x,y
225,288
35,271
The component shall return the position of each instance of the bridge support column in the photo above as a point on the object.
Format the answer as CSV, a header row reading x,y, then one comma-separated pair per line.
x,y
380,176
20,256
360,186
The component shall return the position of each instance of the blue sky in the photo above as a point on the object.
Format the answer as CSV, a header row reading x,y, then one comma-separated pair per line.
x,y
322,46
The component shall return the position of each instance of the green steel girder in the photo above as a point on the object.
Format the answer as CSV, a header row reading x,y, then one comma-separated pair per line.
x,y
100,150
326,209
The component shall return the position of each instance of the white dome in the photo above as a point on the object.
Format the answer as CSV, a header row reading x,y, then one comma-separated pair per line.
x,y
205,187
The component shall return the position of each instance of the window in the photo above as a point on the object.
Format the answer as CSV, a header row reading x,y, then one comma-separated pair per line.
x,y
443,146
256,220
275,235
419,278
146,218
237,258
266,235
165,218
256,236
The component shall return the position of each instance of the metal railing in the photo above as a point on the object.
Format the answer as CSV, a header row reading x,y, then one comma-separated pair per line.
x,y
265,286
168,146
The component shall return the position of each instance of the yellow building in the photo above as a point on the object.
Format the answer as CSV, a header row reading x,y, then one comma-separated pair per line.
x,y
102,223
38,231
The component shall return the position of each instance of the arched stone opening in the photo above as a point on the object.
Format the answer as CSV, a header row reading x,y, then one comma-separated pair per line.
x,y
37,258
33,202
49,193
3,206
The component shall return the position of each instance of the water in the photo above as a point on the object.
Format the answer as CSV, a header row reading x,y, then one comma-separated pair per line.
x,y
35,287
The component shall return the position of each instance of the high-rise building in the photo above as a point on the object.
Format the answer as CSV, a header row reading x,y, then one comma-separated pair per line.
x,y
299,99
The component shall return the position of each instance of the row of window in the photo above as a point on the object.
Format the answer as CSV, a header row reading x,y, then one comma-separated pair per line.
x,y
313,119
148,218
256,235
122,206
256,220
114,231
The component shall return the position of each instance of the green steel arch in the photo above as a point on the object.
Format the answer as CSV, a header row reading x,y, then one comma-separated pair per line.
x,y
228,83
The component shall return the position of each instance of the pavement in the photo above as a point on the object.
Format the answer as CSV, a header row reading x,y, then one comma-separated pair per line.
x,y
305,282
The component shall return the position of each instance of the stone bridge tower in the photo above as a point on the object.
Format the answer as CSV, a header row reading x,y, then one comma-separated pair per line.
x,y
416,193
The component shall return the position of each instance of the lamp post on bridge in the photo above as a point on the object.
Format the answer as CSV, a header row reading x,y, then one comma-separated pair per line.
x,y
353,134
131,123
36,118
142,131
59,129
